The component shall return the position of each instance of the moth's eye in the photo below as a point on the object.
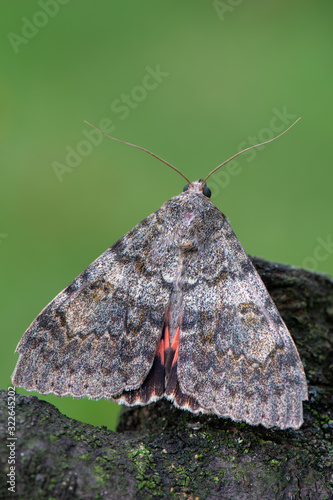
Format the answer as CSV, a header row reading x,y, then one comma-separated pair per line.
x,y
186,187
206,191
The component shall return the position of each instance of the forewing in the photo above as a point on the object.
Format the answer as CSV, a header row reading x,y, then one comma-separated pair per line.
x,y
99,336
236,356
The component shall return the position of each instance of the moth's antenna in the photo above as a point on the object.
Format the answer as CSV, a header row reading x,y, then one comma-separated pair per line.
x,y
142,149
248,149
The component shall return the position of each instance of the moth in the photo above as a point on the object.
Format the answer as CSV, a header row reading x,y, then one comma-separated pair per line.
x,y
174,309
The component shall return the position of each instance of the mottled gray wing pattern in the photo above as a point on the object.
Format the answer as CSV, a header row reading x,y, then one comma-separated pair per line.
x,y
236,356
99,336
175,308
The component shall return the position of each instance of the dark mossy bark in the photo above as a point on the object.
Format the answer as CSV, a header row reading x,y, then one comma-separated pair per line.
x,y
162,452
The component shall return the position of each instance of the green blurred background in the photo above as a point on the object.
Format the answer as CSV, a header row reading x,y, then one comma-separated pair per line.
x,y
193,81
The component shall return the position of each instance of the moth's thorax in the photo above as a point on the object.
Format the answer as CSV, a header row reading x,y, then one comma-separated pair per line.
x,y
189,220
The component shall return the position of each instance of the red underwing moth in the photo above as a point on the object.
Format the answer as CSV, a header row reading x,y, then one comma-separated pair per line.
x,y
174,309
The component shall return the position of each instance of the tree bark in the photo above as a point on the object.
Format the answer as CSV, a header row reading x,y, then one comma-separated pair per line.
x,y
161,452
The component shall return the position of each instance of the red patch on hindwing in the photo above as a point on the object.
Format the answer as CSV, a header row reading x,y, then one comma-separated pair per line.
x,y
172,389
160,351
162,379
171,351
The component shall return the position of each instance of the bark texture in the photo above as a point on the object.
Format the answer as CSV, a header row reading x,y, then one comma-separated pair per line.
x,y
162,452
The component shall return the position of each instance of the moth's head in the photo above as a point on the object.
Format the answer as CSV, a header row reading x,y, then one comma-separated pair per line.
x,y
198,187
